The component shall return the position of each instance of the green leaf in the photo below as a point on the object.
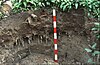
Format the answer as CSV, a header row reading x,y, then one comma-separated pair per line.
x,y
98,36
98,24
93,29
20,1
25,4
94,46
40,4
96,53
90,6
88,50
64,7
76,5
53,1
48,3
69,7
90,61
16,5
81,3
66,1
33,3
62,4
43,4
58,0
71,0
27,0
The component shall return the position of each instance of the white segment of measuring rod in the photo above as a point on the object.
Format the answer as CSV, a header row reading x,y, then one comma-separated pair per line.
x,y
55,35
54,12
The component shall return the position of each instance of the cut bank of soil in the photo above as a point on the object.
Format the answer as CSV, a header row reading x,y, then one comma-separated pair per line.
x,y
24,43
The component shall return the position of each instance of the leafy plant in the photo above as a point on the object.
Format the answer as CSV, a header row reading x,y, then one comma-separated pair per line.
x,y
90,60
23,5
92,6
96,30
93,51
66,4
1,15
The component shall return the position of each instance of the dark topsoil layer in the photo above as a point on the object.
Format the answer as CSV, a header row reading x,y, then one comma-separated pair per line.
x,y
23,43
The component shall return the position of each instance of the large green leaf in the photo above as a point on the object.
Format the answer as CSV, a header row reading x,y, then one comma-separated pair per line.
x,y
76,5
25,4
27,0
66,1
94,29
98,37
32,2
91,61
58,0
53,1
64,7
96,53
43,4
20,1
88,50
94,46
40,3
48,3
98,24
62,4
17,5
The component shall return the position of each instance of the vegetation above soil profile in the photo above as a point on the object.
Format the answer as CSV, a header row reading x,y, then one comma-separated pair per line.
x,y
90,6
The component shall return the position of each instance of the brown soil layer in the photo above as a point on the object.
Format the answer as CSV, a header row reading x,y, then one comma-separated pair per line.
x,y
26,43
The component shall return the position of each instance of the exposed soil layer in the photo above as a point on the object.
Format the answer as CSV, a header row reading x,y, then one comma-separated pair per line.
x,y
24,43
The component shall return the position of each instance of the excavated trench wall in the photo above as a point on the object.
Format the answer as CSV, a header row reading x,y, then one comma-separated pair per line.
x,y
23,38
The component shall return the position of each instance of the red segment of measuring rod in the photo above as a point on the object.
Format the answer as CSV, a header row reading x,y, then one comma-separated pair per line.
x,y
56,51
55,41
55,30
54,18
56,60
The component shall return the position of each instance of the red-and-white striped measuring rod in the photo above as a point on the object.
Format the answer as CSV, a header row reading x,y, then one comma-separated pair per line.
x,y
55,36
